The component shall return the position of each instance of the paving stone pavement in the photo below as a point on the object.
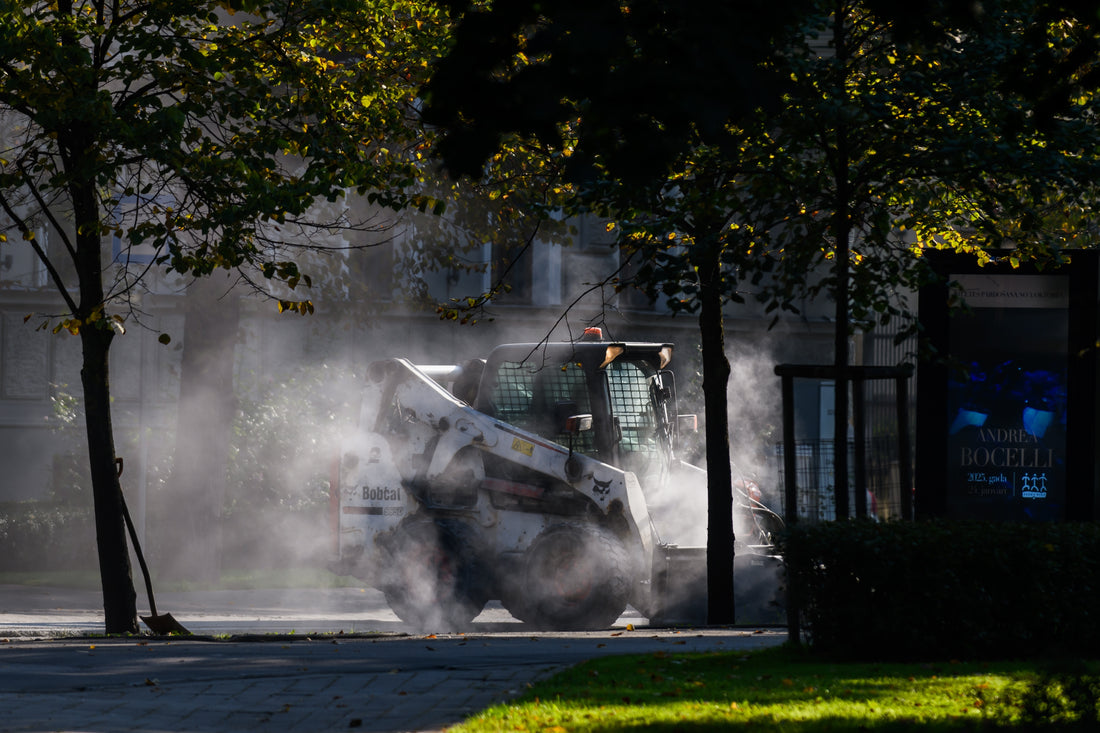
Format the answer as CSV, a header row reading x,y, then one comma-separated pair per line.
x,y
385,682
287,660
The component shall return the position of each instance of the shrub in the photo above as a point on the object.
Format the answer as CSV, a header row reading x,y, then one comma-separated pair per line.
x,y
37,536
946,589
1064,697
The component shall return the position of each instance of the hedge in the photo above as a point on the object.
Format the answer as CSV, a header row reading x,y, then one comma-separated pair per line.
x,y
946,589
37,536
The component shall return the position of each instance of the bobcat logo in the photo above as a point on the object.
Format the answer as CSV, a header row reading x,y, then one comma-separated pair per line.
x,y
601,488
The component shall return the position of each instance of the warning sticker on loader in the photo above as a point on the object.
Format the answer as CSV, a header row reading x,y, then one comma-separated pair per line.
x,y
523,446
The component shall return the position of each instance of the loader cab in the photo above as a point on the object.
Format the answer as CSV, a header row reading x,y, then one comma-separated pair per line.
x,y
623,386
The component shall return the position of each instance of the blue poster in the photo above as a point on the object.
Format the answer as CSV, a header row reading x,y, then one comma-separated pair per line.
x,y
1007,398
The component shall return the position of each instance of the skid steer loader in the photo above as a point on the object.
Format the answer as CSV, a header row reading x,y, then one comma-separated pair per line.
x,y
545,476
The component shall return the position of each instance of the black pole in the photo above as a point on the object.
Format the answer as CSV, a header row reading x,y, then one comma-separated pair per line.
x,y
790,503
858,426
905,461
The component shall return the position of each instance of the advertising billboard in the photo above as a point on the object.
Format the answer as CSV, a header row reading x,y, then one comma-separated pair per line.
x,y
1007,403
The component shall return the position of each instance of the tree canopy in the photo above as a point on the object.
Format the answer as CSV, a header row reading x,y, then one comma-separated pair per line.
x,y
626,90
203,136
794,145
208,130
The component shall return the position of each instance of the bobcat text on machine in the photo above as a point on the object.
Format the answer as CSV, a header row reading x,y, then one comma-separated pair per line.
x,y
546,477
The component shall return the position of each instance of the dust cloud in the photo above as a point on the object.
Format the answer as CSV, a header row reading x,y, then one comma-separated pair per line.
x,y
297,398
312,417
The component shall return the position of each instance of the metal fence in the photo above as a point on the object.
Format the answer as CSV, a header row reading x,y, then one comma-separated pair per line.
x,y
815,498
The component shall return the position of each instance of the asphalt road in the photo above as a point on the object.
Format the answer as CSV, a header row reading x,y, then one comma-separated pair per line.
x,y
376,675
46,611
33,611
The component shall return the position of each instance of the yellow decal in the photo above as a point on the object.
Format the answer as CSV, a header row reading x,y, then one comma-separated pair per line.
x,y
523,446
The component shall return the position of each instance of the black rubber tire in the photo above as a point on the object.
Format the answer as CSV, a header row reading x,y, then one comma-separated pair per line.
x,y
436,578
575,577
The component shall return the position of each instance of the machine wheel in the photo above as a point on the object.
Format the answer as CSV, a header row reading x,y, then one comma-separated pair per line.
x,y
436,580
575,577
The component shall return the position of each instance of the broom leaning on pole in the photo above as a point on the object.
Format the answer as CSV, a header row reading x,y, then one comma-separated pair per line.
x,y
162,624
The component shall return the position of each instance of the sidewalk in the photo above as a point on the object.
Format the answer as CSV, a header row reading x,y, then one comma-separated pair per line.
x,y
217,686
370,681
383,683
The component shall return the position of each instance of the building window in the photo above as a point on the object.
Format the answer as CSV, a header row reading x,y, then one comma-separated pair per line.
x,y
592,234
512,269
373,268
630,296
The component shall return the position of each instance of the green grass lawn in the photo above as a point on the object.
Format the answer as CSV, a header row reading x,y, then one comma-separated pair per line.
x,y
775,690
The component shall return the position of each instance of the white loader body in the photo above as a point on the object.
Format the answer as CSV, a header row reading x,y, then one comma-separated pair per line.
x,y
445,505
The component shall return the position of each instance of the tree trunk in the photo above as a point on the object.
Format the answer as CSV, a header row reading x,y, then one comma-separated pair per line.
x,y
842,230
840,365
96,335
119,598
192,541
716,373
